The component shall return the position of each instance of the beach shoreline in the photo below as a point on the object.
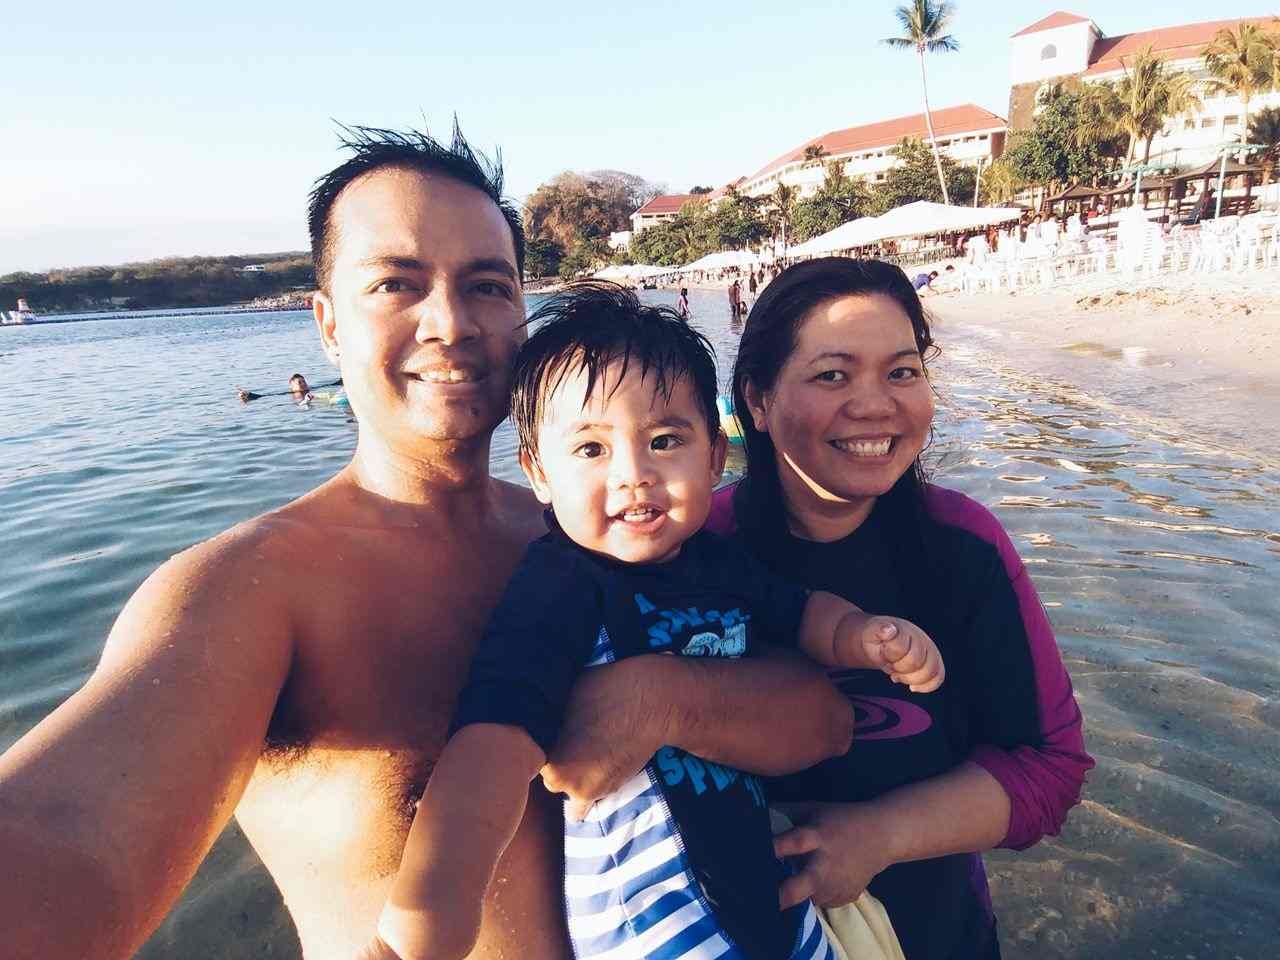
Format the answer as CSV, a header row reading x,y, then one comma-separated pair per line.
x,y
1198,355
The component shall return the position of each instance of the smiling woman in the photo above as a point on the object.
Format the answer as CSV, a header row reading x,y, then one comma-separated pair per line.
x,y
831,373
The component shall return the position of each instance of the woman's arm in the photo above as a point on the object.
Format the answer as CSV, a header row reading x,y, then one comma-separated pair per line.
x,y
845,845
769,715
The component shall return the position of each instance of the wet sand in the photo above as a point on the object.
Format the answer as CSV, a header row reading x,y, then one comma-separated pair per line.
x,y
1213,338
1173,853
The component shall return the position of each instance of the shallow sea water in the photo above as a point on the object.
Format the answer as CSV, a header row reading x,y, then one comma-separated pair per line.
x,y
1155,551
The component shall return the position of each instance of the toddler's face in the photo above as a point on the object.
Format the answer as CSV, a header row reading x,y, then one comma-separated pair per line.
x,y
628,475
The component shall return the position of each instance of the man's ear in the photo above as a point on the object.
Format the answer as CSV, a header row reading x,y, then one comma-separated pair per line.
x,y
327,324
757,406
719,451
537,479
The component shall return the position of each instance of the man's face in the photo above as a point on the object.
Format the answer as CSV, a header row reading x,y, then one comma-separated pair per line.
x,y
424,309
628,474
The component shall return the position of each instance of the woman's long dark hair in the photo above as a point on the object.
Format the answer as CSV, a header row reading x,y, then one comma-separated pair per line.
x,y
768,340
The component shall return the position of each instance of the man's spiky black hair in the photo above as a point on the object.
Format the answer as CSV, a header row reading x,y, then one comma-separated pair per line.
x,y
375,148
592,324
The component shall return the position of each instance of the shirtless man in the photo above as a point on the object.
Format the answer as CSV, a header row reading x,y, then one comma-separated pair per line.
x,y
312,701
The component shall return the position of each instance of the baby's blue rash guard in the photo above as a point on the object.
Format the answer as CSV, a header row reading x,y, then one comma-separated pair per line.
x,y
679,862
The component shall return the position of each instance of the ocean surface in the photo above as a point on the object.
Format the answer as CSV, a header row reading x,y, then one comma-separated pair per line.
x,y
1156,552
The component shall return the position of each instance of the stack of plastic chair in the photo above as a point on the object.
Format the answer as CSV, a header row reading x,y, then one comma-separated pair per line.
x,y
1154,249
1182,247
1131,243
1248,246
1099,252
1271,246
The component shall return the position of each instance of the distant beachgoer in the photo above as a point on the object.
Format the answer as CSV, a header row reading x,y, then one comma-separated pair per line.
x,y
1203,209
299,390
682,303
924,281
735,297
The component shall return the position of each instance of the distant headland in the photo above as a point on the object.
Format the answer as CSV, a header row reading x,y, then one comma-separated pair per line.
x,y
279,281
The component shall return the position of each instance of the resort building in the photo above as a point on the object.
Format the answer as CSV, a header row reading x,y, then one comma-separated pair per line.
x,y
656,211
967,133
1066,46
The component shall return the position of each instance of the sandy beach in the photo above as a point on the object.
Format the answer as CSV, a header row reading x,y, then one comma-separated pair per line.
x,y
1200,352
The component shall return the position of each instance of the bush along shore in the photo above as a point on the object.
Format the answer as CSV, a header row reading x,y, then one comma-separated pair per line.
x,y
271,280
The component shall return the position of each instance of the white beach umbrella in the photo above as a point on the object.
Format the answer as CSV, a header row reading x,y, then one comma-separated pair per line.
x,y
855,233
612,272
925,217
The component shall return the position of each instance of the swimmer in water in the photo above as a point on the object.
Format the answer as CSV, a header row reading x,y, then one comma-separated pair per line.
x,y
299,390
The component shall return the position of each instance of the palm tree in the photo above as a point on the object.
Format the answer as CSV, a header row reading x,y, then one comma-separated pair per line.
x,y
1265,131
1240,61
924,25
814,155
999,182
1137,105
779,215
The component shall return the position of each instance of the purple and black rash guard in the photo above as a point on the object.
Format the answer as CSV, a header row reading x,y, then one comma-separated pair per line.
x,y
1007,703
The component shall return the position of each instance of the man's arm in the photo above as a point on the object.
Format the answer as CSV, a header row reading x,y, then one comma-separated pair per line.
x,y
768,715
108,806
469,813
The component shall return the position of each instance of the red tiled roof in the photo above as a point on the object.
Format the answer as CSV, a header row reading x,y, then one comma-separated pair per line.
x,y
946,122
1059,19
1174,43
669,203
719,192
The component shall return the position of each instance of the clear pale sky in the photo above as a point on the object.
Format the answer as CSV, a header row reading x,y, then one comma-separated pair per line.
x,y
137,130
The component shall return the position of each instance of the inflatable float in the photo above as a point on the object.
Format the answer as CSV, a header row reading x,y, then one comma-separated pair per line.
x,y
728,422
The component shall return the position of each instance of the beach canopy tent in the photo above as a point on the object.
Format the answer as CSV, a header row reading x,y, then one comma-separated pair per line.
x,y
722,260
924,218
1076,191
855,233
1211,169
630,271
918,219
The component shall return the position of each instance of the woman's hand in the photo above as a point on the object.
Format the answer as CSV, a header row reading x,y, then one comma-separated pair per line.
x,y
617,719
841,847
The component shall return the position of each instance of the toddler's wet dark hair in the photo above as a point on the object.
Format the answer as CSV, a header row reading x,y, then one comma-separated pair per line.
x,y
589,326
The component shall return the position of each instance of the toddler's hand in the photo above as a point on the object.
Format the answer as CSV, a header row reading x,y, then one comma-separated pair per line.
x,y
905,652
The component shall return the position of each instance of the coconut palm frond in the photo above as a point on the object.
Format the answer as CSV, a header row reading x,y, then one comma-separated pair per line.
x,y
924,24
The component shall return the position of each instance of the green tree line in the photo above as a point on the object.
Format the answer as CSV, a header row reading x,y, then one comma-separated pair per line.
x,y
159,284
738,221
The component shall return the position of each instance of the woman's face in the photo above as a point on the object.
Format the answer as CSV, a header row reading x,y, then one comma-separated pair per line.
x,y
851,409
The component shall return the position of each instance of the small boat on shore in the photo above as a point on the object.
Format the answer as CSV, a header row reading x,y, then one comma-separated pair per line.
x,y
24,314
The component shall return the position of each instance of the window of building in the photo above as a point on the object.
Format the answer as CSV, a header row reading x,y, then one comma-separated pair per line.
x,y
982,136
1206,123
879,177
1048,52
944,143
1231,121
970,139
1188,125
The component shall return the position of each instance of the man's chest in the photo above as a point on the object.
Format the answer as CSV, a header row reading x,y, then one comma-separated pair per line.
x,y
384,645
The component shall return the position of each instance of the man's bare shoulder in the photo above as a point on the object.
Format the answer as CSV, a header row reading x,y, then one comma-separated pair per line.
x,y
245,568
